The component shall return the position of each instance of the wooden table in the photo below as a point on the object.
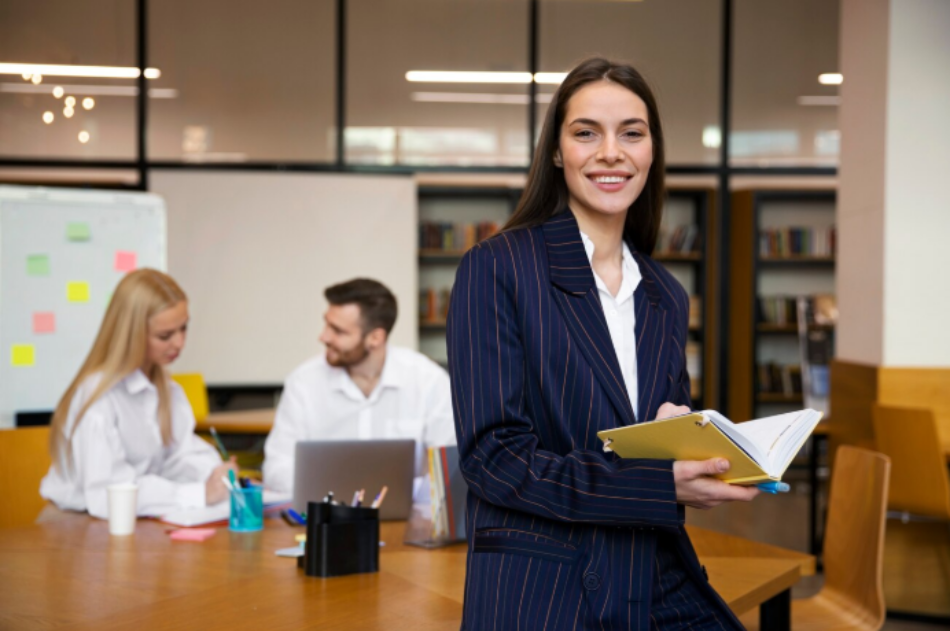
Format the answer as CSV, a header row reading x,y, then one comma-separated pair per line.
x,y
243,422
71,574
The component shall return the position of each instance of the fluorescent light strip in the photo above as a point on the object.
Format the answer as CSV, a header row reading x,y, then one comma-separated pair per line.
x,y
99,72
819,100
830,78
477,97
451,76
88,90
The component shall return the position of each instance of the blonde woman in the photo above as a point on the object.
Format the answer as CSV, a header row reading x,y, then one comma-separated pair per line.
x,y
123,420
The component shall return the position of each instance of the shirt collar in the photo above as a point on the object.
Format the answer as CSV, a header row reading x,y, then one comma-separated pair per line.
x,y
631,271
390,377
137,382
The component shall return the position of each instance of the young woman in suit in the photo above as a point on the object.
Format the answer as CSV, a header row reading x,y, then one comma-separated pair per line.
x,y
123,420
560,327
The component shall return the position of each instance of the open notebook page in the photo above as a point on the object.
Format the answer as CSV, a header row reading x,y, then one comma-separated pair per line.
x,y
779,437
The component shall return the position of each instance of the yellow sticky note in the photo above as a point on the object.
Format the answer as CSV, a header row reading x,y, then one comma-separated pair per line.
x,y
22,355
77,291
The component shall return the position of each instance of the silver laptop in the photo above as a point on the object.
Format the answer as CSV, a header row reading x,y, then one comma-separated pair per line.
x,y
346,466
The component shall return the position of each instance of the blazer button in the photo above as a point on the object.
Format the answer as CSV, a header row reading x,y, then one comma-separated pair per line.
x,y
591,581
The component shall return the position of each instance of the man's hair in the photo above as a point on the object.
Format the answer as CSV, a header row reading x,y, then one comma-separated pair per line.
x,y
377,304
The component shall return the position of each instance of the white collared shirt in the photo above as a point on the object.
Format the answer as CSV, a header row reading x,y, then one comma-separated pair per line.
x,y
413,399
119,440
621,316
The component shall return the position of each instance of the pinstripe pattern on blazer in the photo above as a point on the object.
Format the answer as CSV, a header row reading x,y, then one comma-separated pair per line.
x,y
561,535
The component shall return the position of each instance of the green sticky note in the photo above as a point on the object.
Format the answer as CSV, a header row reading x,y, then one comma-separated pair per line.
x,y
22,355
37,265
78,231
77,291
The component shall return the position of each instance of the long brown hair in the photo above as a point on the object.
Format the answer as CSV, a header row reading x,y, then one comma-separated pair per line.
x,y
119,350
546,193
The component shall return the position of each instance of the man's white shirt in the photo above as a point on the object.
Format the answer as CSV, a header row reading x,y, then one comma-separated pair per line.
x,y
413,399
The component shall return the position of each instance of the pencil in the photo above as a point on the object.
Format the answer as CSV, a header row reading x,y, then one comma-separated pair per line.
x,y
220,445
379,498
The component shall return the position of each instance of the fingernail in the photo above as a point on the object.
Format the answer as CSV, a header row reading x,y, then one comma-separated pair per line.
x,y
722,465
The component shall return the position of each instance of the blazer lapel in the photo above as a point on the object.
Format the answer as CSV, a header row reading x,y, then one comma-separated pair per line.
x,y
576,297
653,322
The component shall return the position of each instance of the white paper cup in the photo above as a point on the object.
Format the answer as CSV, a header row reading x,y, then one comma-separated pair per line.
x,y
122,500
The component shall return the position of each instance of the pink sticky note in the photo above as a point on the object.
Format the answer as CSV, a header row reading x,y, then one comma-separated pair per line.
x,y
125,261
192,534
44,322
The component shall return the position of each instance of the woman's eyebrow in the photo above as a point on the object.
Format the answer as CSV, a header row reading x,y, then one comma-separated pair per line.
x,y
592,122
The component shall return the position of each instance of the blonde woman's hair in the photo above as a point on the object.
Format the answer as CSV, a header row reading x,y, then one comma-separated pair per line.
x,y
119,350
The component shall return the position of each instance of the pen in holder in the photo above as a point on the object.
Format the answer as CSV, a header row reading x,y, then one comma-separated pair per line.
x,y
341,540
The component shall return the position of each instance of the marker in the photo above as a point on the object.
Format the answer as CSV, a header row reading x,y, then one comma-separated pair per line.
x,y
774,487
380,497
220,445
297,517
356,499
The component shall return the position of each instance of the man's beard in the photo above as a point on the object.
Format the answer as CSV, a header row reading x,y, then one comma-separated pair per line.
x,y
348,358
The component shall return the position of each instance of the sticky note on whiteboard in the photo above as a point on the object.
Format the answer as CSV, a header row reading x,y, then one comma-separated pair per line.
x,y
37,265
22,355
77,231
77,291
125,261
44,322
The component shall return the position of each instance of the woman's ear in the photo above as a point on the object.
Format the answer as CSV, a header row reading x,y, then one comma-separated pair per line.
x,y
558,162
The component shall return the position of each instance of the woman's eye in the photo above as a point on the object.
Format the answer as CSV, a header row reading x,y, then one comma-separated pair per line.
x,y
584,133
165,337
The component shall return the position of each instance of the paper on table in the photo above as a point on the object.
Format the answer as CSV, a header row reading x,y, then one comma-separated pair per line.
x,y
44,322
78,231
192,534
215,513
77,291
22,355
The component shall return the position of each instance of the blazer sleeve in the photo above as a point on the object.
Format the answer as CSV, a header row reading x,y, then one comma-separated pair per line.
x,y
498,444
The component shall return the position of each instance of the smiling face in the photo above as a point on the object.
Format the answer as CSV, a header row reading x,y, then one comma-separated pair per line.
x,y
166,334
343,336
605,149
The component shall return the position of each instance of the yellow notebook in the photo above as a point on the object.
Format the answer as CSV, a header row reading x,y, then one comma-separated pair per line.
x,y
758,450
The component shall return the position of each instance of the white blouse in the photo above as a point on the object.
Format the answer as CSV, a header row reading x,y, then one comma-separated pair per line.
x,y
119,440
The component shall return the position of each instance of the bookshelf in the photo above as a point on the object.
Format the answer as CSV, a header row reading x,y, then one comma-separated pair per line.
x,y
782,246
686,255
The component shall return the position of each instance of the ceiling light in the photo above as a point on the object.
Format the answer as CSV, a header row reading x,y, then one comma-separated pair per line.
x,y
52,70
92,90
27,76
84,136
88,103
452,76
830,78
37,79
48,117
550,78
68,112
70,101
477,97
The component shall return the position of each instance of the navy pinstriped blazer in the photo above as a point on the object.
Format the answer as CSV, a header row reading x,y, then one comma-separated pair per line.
x,y
561,535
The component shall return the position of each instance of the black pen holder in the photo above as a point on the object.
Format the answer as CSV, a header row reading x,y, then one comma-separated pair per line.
x,y
341,540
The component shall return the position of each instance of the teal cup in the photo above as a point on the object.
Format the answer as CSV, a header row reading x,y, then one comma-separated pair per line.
x,y
247,510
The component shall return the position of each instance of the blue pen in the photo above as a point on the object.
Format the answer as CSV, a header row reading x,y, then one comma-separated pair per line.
x,y
774,487
297,517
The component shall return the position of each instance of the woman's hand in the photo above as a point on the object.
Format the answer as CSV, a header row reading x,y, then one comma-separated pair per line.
x,y
215,490
671,409
696,487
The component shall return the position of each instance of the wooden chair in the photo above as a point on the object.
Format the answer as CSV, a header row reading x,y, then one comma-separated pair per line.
x,y
194,386
917,550
852,596
24,460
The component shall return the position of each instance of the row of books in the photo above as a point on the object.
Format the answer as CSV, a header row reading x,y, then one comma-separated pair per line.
x,y
772,378
783,310
694,366
454,237
679,240
794,241
447,491
434,304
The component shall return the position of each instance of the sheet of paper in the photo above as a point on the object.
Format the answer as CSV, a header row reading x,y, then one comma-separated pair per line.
x,y
37,265
78,231
192,534
44,322
125,261
22,355
77,291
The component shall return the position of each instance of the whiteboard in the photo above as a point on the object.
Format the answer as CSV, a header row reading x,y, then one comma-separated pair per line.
x,y
62,252
254,252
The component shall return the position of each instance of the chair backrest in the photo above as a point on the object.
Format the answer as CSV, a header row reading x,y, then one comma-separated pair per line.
x,y
24,460
194,386
854,539
919,482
